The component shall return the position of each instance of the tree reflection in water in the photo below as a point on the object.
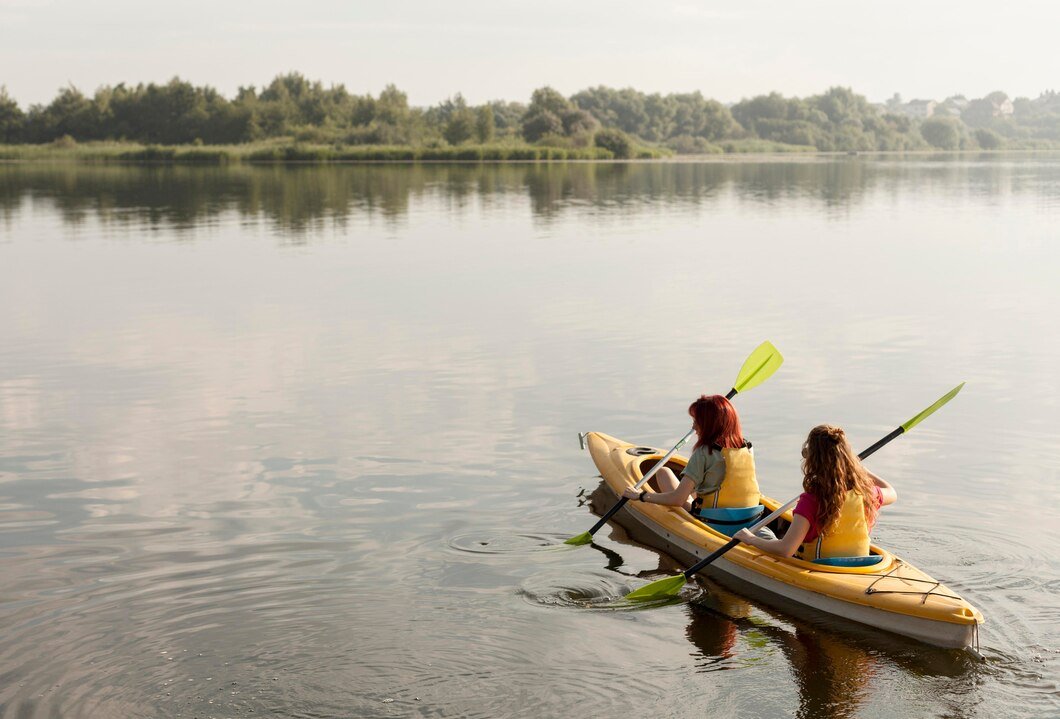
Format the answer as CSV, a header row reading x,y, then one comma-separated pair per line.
x,y
298,199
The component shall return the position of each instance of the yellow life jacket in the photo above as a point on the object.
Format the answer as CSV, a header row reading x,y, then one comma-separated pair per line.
x,y
848,538
739,488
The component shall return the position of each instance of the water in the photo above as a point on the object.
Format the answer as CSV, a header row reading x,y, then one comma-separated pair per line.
x,y
302,441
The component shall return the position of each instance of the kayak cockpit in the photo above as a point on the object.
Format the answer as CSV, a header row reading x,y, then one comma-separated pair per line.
x,y
878,560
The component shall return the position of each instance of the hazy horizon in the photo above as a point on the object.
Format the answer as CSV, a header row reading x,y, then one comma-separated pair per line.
x,y
489,51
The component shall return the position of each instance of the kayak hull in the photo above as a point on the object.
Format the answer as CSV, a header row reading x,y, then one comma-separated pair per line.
x,y
893,596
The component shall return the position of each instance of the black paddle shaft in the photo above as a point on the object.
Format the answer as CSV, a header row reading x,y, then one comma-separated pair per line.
x,y
691,571
871,450
622,500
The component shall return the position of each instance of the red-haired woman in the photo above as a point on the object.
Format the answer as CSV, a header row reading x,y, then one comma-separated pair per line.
x,y
837,508
721,470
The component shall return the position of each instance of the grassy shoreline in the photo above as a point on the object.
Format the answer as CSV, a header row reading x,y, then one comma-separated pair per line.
x,y
290,152
300,153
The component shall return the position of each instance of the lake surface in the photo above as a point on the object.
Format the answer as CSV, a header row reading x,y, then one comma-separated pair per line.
x,y
303,441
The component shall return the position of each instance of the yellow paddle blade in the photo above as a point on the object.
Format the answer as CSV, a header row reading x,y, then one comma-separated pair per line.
x,y
658,589
578,539
760,366
927,412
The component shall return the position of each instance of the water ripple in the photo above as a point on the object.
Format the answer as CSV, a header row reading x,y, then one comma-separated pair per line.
x,y
599,591
504,541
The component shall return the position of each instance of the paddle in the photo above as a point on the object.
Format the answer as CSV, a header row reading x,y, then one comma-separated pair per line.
x,y
757,368
670,586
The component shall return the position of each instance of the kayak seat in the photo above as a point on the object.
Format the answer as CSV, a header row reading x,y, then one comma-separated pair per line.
x,y
850,561
729,520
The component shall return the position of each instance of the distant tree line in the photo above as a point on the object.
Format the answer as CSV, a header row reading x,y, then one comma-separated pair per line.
x,y
619,120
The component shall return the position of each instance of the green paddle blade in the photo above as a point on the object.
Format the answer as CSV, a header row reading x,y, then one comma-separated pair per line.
x,y
658,589
760,366
579,539
927,412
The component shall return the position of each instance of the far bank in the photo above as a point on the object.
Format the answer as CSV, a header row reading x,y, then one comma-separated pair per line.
x,y
301,153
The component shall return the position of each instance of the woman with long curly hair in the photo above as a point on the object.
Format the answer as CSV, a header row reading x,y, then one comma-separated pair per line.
x,y
720,472
838,506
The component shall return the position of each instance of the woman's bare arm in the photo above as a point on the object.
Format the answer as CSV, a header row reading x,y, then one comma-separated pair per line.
x,y
786,545
887,492
673,498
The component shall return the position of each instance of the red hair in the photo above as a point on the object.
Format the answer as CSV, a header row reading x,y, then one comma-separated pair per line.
x,y
716,423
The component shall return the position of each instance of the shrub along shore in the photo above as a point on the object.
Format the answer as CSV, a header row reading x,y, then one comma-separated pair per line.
x,y
134,153
261,153
67,150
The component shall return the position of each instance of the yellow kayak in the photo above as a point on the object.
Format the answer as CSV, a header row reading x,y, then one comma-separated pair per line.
x,y
892,594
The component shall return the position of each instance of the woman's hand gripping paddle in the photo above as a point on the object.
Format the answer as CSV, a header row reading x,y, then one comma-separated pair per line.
x,y
670,586
759,366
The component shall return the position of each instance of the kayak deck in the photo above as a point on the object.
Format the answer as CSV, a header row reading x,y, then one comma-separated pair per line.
x,y
892,594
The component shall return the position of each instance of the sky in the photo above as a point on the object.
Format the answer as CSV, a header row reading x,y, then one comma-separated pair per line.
x,y
503,50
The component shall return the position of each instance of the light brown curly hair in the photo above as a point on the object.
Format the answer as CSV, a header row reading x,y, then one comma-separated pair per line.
x,y
831,469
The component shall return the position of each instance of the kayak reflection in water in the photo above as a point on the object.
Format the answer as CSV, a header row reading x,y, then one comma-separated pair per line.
x,y
837,508
832,674
721,470
836,670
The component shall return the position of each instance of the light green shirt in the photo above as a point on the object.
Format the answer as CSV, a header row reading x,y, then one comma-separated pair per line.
x,y
706,470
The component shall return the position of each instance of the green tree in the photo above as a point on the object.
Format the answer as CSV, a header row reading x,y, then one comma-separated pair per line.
x,y
546,99
484,124
979,113
537,124
773,106
616,141
306,102
70,113
461,127
838,119
230,123
621,109
988,139
12,119
699,117
660,112
362,110
996,97
507,116
842,105
941,133
894,132
440,114
453,119
176,112
392,107
577,121
545,114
